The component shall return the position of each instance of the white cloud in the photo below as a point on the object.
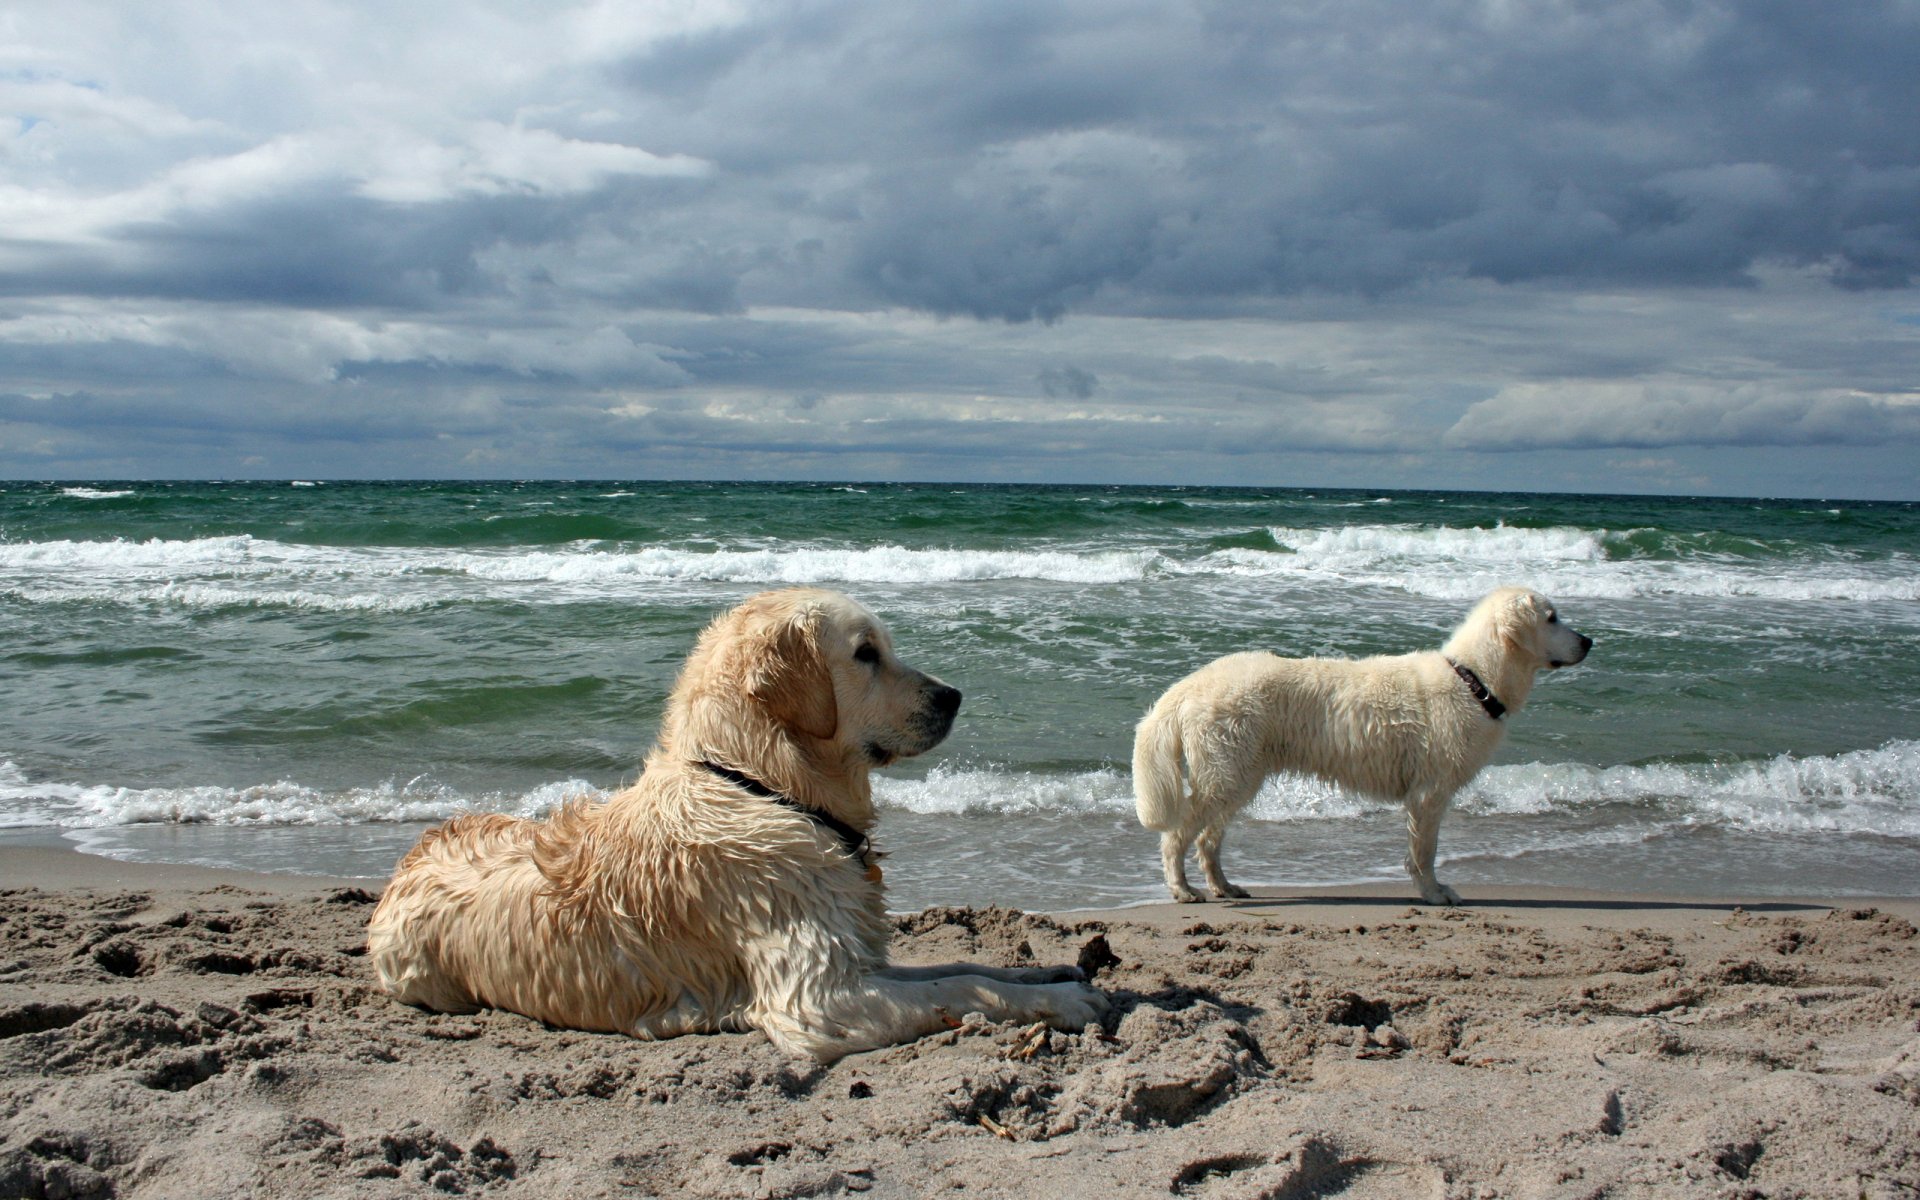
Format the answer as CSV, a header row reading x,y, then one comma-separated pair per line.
x,y
1651,414
392,165
45,103
497,159
315,347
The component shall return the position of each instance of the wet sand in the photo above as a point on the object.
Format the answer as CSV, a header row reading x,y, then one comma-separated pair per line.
x,y
183,1032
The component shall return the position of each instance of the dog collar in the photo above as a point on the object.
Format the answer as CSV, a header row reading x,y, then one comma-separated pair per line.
x,y
1487,699
857,844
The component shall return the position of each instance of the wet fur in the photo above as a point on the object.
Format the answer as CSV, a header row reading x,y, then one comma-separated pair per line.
x,y
1399,727
685,904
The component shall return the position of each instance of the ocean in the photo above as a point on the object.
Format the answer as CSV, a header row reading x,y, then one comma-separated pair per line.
x,y
299,676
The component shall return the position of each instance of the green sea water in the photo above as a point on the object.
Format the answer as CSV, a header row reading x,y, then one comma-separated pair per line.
x,y
297,675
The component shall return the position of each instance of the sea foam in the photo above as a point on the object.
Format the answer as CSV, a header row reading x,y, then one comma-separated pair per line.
x,y
1859,792
93,805
1454,564
1464,563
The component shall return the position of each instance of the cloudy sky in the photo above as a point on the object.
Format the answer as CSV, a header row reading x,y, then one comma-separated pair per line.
x,y
1625,245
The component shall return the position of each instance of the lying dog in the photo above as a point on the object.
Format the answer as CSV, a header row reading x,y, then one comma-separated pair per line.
x,y
733,886
1412,728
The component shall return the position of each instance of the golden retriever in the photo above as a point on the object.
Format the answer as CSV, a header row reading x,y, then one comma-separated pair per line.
x,y
1413,728
733,886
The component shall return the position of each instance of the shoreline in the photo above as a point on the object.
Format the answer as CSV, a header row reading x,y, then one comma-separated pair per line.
x,y
179,1031
54,864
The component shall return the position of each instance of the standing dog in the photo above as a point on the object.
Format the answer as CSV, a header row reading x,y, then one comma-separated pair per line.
x,y
733,886
1411,727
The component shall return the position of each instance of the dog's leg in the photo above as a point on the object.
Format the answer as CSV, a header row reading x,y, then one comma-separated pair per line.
x,y
878,1011
812,995
1423,839
1060,974
1173,861
1209,846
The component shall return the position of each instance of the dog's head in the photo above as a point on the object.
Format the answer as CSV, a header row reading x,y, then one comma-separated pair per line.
x,y
821,667
1529,623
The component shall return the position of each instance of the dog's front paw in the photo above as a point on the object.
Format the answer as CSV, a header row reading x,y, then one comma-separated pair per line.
x,y
1439,893
1186,895
1073,1006
1232,891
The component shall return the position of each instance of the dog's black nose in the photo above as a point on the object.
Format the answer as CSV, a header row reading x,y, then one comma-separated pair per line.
x,y
945,701
1586,643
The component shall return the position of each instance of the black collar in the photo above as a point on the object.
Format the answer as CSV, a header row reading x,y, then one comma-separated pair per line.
x,y
1487,699
857,844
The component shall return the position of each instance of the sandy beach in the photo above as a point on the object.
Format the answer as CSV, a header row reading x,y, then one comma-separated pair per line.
x,y
179,1032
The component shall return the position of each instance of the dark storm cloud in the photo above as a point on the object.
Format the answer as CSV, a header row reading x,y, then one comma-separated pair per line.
x,y
1023,163
1156,241
1027,161
1068,381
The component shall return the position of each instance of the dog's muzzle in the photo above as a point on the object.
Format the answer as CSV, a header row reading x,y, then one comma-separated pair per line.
x,y
1586,644
928,726
936,719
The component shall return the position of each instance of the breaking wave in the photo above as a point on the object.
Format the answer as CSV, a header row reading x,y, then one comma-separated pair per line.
x,y
1859,792
1441,563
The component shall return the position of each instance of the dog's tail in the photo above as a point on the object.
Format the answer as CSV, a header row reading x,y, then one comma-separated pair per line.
x,y
1159,783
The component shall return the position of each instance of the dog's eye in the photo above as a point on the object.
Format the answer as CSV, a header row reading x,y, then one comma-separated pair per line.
x,y
868,653
1553,618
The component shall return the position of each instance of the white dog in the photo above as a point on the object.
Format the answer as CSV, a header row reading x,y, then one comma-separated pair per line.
x,y
1411,727
733,886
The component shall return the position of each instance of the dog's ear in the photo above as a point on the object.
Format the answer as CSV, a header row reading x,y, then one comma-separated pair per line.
x,y
790,678
1518,620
